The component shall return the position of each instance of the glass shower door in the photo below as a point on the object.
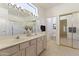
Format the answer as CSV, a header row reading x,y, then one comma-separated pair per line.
x,y
72,38
69,31
65,34
76,30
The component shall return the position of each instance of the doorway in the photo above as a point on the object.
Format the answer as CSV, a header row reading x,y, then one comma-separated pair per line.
x,y
51,28
63,31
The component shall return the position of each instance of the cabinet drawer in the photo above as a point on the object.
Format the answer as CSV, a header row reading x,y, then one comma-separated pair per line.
x,y
33,42
24,45
10,50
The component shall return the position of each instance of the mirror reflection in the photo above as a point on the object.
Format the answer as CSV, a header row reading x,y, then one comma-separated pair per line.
x,y
15,19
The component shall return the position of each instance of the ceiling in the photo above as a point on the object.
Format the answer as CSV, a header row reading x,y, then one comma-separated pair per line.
x,y
46,5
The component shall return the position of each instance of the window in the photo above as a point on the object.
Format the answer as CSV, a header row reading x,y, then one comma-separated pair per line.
x,y
34,9
28,6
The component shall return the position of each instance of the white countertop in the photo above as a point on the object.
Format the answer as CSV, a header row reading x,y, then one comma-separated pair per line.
x,y
11,41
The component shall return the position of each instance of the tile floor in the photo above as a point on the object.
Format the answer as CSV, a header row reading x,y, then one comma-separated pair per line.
x,y
55,50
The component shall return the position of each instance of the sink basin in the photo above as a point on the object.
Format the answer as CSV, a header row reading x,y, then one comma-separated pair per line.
x,y
24,36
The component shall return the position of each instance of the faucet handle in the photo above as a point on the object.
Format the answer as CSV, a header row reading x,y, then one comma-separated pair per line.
x,y
17,37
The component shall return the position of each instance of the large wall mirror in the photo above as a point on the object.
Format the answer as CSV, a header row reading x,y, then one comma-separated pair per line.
x,y
14,19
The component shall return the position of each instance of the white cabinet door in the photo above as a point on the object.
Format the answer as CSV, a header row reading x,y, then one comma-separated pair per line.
x,y
22,52
39,45
23,47
9,51
44,42
31,50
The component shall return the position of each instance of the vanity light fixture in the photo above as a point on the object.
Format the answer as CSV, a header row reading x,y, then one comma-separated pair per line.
x,y
20,9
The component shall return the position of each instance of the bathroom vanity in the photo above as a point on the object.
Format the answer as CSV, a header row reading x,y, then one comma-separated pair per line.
x,y
12,44
24,46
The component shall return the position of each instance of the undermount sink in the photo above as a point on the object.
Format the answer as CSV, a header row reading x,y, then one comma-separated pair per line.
x,y
34,34
24,36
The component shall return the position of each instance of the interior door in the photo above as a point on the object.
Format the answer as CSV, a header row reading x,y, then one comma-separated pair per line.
x,y
69,30
76,30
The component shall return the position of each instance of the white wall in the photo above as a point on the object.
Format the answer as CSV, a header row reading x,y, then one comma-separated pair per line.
x,y
49,27
41,20
62,9
3,21
50,30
